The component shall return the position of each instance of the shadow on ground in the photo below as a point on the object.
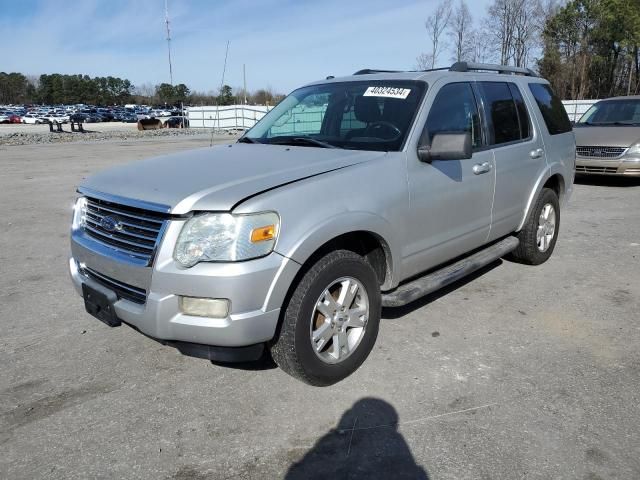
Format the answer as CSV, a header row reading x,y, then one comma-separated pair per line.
x,y
366,444
265,362
607,181
389,313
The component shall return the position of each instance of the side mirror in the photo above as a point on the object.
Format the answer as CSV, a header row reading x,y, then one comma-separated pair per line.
x,y
446,146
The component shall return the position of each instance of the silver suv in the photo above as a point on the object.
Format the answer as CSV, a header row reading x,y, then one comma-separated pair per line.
x,y
351,194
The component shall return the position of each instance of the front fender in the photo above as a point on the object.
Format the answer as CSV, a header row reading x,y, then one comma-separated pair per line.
x,y
321,232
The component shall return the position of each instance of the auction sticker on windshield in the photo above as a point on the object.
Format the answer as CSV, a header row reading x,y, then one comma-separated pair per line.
x,y
388,92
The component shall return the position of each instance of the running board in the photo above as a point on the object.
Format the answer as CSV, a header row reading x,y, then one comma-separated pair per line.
x,y
433,281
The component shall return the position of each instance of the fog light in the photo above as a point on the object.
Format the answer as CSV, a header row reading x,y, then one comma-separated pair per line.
x,y
205,307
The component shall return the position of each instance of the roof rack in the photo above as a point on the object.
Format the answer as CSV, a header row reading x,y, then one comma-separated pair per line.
x,y
470,66
369,71
463,67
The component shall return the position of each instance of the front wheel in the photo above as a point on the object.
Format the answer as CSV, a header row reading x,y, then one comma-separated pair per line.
x,y
540,232
330,323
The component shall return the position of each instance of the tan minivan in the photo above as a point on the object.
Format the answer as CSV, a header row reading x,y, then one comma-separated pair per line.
x,y
608,138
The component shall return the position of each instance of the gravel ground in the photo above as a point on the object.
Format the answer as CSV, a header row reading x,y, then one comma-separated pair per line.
x,y
14,135
518,372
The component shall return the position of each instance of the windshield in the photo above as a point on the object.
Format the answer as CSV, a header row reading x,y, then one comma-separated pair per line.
x,y
613,112
373,115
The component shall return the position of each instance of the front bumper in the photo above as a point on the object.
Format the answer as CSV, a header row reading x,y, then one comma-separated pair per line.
x,y
255,288
619,166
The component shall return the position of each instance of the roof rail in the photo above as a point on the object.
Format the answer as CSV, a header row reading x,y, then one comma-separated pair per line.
x,y
469,66
462,67
369,71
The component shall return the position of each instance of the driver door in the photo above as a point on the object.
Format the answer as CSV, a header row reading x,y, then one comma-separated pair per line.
x,y
450,200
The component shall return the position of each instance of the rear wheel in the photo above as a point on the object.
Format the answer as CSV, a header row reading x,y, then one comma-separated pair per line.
x,y
540,232
330,323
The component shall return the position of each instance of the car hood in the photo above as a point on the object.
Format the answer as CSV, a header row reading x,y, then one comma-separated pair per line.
x,y
217,178
614,136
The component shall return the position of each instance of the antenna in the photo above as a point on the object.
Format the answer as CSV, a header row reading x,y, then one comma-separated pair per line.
x,y
166,21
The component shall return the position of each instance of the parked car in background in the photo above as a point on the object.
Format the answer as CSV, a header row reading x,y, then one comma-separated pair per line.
x,y
4,118
13,118
93,118
608,138
32,118
57,118
176,122
105,114
129,117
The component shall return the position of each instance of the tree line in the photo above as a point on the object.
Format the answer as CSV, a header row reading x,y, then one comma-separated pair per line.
x,y
585,48
54,89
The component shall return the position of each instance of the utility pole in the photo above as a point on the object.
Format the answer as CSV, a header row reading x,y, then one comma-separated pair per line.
x,y
224,68
244,79
166,21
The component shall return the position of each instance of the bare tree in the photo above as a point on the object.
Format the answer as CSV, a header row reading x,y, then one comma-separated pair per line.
x,y
424,61
483,49
461,32
436,25
526,30
516,29
501,22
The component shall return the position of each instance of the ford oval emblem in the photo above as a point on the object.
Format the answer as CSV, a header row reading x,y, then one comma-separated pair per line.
x,y
111,224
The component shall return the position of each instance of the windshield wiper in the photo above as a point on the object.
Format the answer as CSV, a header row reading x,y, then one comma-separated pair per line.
x,y
245,139
307,140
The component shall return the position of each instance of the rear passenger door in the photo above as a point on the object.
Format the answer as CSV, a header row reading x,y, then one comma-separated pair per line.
x,y
518,152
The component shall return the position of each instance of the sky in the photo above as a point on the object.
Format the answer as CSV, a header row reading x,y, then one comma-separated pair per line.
x,y
283,43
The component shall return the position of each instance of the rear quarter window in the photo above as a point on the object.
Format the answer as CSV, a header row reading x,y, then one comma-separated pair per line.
x,y
553,112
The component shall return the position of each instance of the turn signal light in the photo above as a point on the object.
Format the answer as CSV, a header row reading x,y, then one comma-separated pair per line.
x,y
262,234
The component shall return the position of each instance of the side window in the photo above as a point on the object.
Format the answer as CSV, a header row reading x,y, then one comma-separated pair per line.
x,y
500,108
553,112
455,110
523,114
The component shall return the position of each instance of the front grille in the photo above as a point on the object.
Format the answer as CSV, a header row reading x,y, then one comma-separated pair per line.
x,y
136,233
583,169
632,171
600,152
121,289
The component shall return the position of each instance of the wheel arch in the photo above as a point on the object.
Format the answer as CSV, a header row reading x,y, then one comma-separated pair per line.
x,y
550,179
364,233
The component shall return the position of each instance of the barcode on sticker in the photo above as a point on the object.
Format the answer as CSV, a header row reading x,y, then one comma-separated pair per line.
x,y
389,92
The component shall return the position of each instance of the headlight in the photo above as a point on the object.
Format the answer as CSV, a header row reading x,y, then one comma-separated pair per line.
x,y
222,237
634,149
79,213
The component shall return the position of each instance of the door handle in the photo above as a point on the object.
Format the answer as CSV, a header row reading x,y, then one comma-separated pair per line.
x,y
537,153
480,168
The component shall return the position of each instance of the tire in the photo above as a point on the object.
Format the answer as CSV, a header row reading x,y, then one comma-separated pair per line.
x,y
325,363
536,239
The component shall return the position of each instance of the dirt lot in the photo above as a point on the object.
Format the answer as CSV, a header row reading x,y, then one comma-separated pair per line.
x,y
521,372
